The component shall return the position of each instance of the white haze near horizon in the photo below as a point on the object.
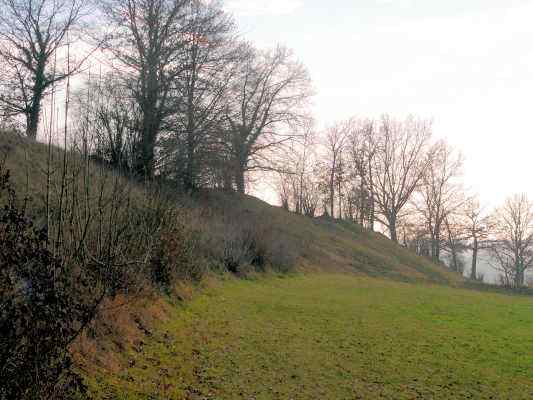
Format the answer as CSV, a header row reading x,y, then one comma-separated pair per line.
x,y
466,64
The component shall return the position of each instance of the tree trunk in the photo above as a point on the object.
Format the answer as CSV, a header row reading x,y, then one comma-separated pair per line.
x,y
340,201
239,180
332,195
189,178
32,121
372,213
392,228
227,178
34,114
436,247
473,271
144,160
520,278
372,202
189,181
454,260
241,163
151,103
433,251
299,208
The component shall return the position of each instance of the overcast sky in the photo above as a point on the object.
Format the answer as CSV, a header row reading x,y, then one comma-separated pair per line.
x,y
467,64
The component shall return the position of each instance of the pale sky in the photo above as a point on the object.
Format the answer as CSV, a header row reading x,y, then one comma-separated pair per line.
x,y
467,64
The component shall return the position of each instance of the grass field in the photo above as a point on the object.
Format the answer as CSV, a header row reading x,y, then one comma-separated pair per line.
x,y
334,337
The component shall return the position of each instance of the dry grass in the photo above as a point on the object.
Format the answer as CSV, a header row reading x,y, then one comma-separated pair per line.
x,y
326,245
216,220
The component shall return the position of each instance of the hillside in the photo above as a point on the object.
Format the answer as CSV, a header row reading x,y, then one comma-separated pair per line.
x,y
332,246
315,244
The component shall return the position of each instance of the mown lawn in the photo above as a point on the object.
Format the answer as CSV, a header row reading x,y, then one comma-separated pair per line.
x,y
334,337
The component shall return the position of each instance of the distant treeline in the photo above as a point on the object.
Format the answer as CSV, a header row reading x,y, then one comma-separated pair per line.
x,y
390,173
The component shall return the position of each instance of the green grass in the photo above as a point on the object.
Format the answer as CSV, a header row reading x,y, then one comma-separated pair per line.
x,y
334,337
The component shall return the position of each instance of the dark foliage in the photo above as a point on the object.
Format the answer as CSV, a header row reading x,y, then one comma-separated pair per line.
x,y
39,317
176,257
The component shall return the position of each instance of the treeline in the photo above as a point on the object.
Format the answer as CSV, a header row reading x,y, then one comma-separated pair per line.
x,y
390,174
170,90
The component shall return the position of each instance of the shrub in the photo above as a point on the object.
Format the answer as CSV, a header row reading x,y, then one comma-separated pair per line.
x,y
39,316
243,241
177,256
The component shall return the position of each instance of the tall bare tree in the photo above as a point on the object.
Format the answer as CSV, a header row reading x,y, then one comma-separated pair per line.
x,y
477,230
148,40
440,192
362,148
513,247
400,163
107,121
334,145
455,240
267,96
296,178
33,34
210,57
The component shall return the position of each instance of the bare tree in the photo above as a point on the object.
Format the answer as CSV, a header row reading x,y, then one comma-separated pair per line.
x,y
310,195
440,192
455,241
400,162
33,34
334,144
209,55
305,201
477,229
295,181
107,121
267,96
513,247
362,149
148,40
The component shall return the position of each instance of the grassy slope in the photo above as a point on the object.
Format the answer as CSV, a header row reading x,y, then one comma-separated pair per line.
x,y
325,245
28,163
322,244
334,336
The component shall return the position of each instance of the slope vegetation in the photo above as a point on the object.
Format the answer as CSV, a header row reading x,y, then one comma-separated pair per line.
x,y
310,244
327,245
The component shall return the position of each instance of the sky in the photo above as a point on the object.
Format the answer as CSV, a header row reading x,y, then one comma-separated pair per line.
x,y
465,64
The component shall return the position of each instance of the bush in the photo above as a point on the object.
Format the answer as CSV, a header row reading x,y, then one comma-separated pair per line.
x,y
177,256
242,241
39,316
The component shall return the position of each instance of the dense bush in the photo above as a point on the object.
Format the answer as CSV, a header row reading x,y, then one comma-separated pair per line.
x,y
177,256
39,316
243,241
